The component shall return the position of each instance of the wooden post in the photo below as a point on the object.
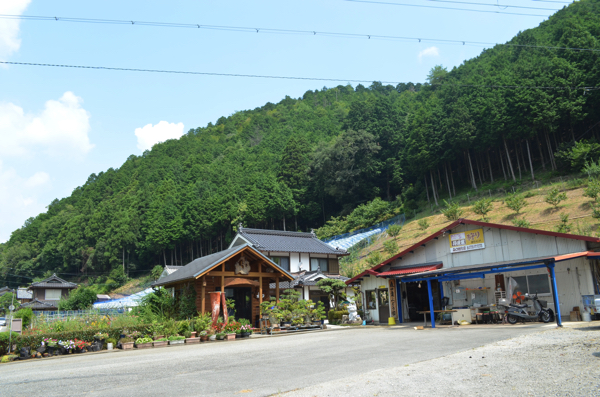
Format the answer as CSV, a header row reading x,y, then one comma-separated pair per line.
x,y
260,292
203,294
222,284
277,289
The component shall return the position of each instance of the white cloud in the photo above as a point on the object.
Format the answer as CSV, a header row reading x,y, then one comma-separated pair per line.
x,y
429,52
9,28
149,135
19,198
60,130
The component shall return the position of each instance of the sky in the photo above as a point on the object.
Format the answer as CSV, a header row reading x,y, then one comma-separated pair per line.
x,y
60,125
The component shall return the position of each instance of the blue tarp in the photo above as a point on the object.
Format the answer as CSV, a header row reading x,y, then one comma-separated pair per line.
x,y
347,240
128,301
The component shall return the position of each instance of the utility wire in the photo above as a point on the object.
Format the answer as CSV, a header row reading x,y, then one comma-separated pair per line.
x,y
493,5
280,31
585,89
445,8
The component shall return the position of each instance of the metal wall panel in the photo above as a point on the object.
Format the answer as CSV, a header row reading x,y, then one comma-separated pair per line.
x,y
504,240
529,245
515,250
546,245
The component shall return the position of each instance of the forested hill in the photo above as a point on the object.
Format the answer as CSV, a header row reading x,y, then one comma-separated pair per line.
x,y
299,162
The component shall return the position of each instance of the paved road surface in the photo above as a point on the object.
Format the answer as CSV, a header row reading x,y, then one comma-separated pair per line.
x,y
255,367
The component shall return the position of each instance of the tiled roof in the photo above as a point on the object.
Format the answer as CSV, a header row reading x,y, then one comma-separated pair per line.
x,y
41,305
23,293
53,282
201,265
278,240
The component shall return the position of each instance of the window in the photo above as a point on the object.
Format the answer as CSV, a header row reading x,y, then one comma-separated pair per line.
x,y
533,284
370,297
282,261
316,263
53,294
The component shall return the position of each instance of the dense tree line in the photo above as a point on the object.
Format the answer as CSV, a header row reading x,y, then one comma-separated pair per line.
x,y
294,164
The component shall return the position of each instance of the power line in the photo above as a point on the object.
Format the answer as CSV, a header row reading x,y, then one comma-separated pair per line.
x,y
585,89
255,30
493,5
444,8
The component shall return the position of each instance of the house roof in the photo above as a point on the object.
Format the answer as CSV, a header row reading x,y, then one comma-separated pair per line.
x,y
41,305
23,293
411,269
53,282
5,290
202,265
282,241
462,221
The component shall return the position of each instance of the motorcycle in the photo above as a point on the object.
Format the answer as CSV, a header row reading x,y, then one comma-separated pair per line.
x,y
519,311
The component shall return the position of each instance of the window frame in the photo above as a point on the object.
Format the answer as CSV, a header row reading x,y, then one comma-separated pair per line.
x,y
277,260
320,262
528,290
371,296
54,290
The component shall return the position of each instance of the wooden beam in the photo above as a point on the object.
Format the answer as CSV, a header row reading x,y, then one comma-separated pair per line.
x,y
260,291
251,274
203,294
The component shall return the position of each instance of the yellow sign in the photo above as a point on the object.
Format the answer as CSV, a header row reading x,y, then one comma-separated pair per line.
x,y
467,241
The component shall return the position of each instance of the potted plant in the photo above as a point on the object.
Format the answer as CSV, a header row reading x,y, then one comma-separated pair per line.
x,y
176,340
126,343
50,345
244,331
143,343
318,314
191,339
110,343
161,342
221,335
81,346
203,336
212,336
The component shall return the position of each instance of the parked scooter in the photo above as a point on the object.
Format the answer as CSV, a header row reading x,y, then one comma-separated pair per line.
x,y
519,311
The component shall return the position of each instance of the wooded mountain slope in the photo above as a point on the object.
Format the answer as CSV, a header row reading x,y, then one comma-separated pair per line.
x,y
296,163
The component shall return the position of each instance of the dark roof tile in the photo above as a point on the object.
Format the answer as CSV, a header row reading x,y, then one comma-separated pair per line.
x,y
283,241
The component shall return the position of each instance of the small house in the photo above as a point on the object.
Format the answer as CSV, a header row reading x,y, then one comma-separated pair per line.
x,y
47,293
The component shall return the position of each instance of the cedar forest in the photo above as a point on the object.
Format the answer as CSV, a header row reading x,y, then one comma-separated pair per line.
x,y
296,164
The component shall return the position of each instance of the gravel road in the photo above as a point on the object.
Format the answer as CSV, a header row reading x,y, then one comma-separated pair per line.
x,y
555,362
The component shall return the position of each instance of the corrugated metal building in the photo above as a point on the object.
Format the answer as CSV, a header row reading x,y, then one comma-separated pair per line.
x,y
496,246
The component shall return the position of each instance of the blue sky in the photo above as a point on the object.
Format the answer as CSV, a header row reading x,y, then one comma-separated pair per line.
x,y
57,126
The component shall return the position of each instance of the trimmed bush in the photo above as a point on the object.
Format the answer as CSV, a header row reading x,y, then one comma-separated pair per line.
x,y
335,316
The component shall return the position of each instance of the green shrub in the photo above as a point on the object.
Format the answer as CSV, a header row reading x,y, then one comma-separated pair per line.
x,y
390,247
521,223
554,197
515,202
452,212
394,230
482,207
112,340
79,299
335,316
26,314
156,272
423,224
592,190
139,341
564,226
374,258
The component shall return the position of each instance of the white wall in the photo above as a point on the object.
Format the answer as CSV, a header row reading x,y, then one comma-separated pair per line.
x,y
370,283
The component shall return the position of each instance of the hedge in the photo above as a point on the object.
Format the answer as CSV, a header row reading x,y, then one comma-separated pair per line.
x,y
34,341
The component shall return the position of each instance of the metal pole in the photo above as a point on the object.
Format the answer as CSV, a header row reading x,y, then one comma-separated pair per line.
x,y
12,306
555,293
399,300
431,304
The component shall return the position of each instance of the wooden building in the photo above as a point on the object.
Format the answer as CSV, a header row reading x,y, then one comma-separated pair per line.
x,y
45,294
241,272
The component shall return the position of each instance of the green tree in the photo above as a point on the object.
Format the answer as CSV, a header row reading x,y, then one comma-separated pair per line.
x,y
334,288
482,207
452,212
394,230
390,247
80,298
423,223
554,197
515,202
6,300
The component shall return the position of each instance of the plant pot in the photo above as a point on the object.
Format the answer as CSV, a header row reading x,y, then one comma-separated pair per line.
x,y
177,342
160,343
238,336
194,334
144,345
229,337
286,323
109,346
192,340
244,334
127,345
203,338
212,337
51,350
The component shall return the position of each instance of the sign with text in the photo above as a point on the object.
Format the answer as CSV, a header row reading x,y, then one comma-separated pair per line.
x,y
467,241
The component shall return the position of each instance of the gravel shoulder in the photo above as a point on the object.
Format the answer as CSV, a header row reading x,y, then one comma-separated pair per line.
x,y
554,362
